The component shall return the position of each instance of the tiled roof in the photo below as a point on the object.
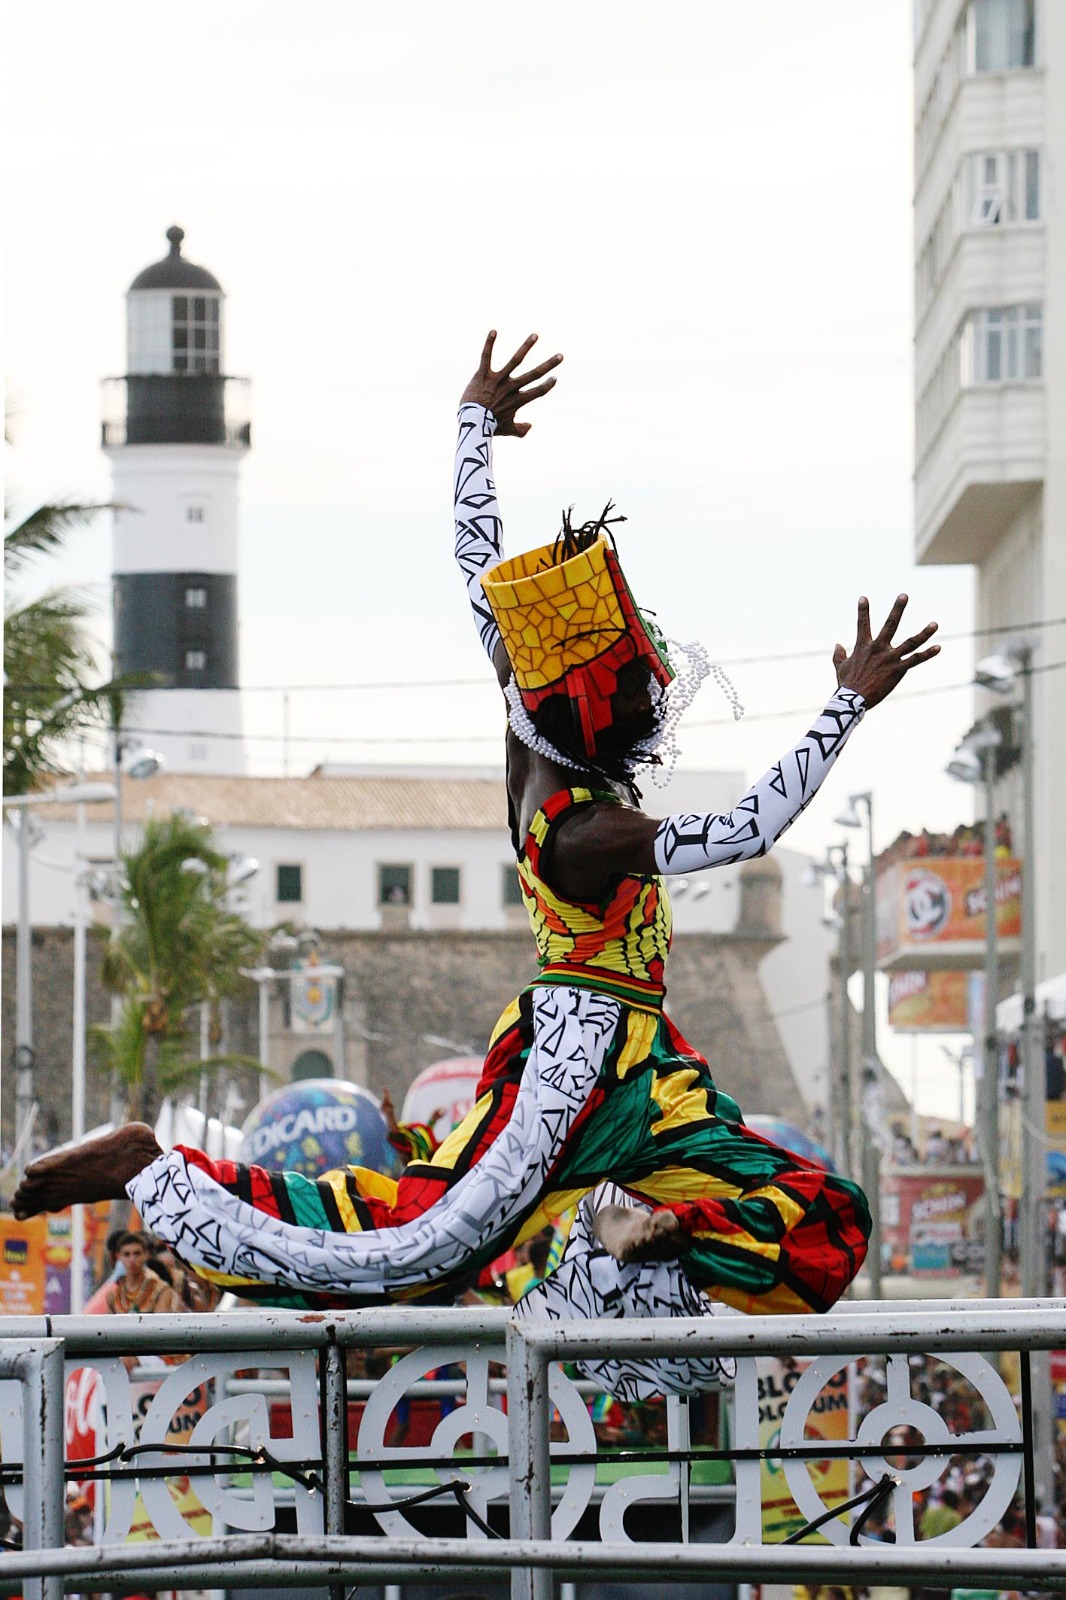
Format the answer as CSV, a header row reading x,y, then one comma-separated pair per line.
x,y
316,802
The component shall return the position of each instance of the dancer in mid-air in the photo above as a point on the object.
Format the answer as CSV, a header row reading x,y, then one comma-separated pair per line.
x,y
586,1080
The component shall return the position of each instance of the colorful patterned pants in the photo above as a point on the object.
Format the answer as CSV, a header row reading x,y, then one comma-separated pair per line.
x,y
577,1089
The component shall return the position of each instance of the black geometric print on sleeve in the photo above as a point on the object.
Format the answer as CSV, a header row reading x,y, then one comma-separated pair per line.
x,y
478,525
692,843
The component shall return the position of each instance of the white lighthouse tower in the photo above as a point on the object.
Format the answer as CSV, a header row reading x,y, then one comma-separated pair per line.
x,y
176,430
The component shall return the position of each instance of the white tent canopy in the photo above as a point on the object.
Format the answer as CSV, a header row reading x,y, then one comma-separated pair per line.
x,y
1050,1002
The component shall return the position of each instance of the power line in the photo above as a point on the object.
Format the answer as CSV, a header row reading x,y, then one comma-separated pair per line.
x,y
728,661
798,712
486,680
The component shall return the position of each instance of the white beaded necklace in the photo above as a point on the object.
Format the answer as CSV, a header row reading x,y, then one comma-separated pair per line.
x,y
692,666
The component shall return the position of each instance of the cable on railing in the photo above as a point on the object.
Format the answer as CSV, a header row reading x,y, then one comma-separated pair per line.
x,y
261,1458
870,1498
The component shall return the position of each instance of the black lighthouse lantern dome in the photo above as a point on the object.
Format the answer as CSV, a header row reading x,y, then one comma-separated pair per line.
x,y
176,271
174,317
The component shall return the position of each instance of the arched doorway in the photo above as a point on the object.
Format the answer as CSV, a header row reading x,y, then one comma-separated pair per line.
x,y
312,1064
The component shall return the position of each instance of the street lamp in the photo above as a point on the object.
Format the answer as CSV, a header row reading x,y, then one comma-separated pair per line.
x,y
871,1066
974,762
239,870
1001,674
835,869
131,760
71,793
264,975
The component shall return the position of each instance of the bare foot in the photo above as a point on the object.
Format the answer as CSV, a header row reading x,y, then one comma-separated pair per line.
x,y
97,1170
634,1236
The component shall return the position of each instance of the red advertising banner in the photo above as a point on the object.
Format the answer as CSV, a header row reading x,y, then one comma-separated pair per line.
x,y
926,1219
931,911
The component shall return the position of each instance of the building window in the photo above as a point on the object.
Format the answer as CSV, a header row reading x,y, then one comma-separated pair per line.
x,y
195,660
194,513
511,894
445,883
1030,161
990,36
1003,187
394,885
1001,35
1003,344
196,599
195,333
290,883
992,189
198,752
988,189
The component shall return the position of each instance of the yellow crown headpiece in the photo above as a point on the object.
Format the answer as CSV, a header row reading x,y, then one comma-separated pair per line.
x,y
569,624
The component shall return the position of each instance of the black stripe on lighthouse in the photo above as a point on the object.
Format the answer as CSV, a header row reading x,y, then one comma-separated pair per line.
x,y
179,627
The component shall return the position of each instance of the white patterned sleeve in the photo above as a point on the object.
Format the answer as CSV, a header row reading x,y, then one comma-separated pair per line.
x,y
478,526
688,844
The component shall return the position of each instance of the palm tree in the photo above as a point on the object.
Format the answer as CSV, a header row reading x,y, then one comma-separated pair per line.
x,y
48,656
176,945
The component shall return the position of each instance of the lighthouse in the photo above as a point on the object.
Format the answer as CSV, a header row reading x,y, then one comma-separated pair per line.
x,y
176,431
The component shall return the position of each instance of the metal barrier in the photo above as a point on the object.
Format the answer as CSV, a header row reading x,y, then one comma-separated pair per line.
x,y
252,1474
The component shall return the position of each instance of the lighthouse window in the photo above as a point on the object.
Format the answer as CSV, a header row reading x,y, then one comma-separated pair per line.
x,y
194,513
196,599
195,660
195,324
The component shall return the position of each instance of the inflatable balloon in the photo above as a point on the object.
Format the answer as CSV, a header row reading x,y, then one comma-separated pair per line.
x,y
447,1087
316,1125
789,1137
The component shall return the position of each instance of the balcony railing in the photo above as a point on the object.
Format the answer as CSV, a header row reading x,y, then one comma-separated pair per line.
x,y
276,1485
176,408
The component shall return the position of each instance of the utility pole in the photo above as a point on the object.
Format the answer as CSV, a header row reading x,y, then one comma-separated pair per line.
x,y
988,1112
844,959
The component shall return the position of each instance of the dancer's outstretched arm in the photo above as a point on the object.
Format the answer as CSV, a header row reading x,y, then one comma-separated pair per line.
x,y
602,840
690,843
490,401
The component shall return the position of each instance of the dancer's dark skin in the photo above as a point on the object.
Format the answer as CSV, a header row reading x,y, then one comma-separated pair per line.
x,y
97,1170
589,849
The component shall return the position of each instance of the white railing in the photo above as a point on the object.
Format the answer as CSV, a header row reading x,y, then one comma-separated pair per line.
x,y
257,1475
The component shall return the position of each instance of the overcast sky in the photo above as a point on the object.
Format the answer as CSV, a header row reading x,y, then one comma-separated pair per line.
x,y
705,206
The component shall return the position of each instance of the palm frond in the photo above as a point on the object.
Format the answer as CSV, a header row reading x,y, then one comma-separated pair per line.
x,y
188,1074
177,946
45,529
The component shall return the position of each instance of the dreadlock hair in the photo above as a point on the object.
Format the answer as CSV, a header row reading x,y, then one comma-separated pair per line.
x,y
570,541
557,719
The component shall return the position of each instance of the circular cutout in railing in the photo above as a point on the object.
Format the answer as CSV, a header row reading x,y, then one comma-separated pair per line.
x,y
900,1417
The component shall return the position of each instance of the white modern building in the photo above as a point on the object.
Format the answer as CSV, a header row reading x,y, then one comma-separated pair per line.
x,y
990,364
175,431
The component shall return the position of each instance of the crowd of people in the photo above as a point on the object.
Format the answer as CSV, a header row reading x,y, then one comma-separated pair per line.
x,y
962,1486
968,839
939,1150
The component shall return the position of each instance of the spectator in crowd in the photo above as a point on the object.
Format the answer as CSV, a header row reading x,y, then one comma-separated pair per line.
x,y
138,1290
